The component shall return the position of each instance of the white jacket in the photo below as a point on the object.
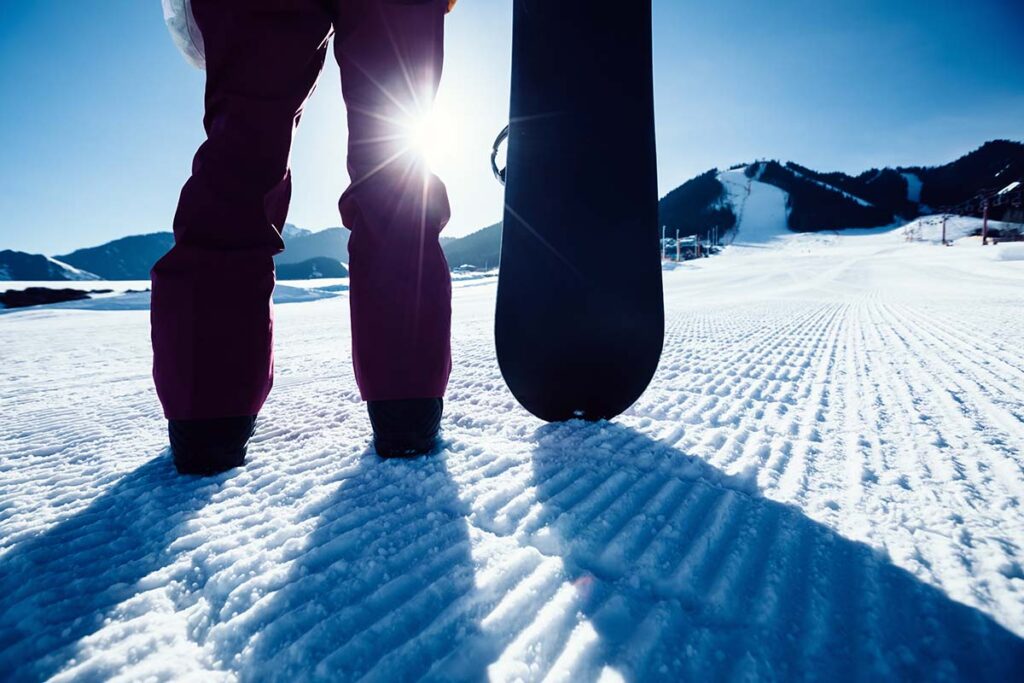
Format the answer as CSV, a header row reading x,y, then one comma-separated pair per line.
x,y
184,31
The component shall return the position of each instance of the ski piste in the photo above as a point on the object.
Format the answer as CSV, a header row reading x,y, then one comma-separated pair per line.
x,y
580,315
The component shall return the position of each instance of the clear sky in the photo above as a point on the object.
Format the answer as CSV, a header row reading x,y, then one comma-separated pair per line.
x,y
100,116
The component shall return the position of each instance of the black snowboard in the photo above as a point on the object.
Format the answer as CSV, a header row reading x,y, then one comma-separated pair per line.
x,y
580,317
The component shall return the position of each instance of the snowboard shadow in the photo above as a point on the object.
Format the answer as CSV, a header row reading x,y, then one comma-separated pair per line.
x,y
378,588
60,586
686,573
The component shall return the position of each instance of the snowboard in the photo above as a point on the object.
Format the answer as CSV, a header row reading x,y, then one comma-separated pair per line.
x,y
580,314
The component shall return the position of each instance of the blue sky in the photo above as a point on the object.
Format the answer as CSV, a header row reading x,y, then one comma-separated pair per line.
x,y
100,116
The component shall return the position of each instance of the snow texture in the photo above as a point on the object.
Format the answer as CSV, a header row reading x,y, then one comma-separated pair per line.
x,y
824,482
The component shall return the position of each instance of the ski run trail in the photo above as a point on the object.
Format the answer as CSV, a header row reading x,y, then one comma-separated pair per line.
x,y
823,482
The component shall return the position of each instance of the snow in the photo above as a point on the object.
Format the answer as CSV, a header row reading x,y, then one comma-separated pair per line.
x,y
1010,251
117,286
72,272
824,481
125,295
291,231
929,228
133,295
760,210
290,294
914,186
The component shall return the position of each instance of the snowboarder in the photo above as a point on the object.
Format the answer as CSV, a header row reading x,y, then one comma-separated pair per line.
x,y
212,314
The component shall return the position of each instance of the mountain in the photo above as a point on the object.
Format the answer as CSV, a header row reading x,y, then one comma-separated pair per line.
x,y
314,268
129,258
303,246
992,166
17,265
479,249
808,201
697,206
291,232
307,254
815,201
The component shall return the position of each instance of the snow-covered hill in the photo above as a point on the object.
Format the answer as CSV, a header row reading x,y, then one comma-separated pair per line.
x,y
18,265
825,201
759,208
824,482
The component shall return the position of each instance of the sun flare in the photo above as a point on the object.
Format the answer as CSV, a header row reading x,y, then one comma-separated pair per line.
x,y
430,137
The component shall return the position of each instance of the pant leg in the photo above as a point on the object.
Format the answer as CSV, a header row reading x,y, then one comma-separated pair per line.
x,y
212,316
390,54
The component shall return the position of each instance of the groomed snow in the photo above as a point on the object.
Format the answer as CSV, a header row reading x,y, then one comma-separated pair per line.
x,y
760,210
823,482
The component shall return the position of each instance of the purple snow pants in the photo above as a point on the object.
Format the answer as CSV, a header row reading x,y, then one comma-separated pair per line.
x,y
212,314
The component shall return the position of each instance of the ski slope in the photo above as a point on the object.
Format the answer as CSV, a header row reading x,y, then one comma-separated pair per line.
x,y
824,482
760,210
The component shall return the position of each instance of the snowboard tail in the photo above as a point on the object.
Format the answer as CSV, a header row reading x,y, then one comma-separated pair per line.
x,y
580,317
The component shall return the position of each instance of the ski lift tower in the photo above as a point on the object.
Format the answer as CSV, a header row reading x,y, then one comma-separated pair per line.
x,y
984,222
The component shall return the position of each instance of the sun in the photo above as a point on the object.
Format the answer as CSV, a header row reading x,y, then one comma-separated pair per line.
x,y
429,137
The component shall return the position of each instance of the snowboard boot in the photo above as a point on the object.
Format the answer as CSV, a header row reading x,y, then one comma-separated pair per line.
x,y
208,447
405,428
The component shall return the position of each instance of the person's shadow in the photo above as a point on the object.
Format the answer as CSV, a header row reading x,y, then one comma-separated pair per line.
x,y
382,588
680,572
60,586
615,555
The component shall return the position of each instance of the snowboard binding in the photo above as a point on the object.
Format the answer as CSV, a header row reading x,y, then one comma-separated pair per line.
x,y
499,173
